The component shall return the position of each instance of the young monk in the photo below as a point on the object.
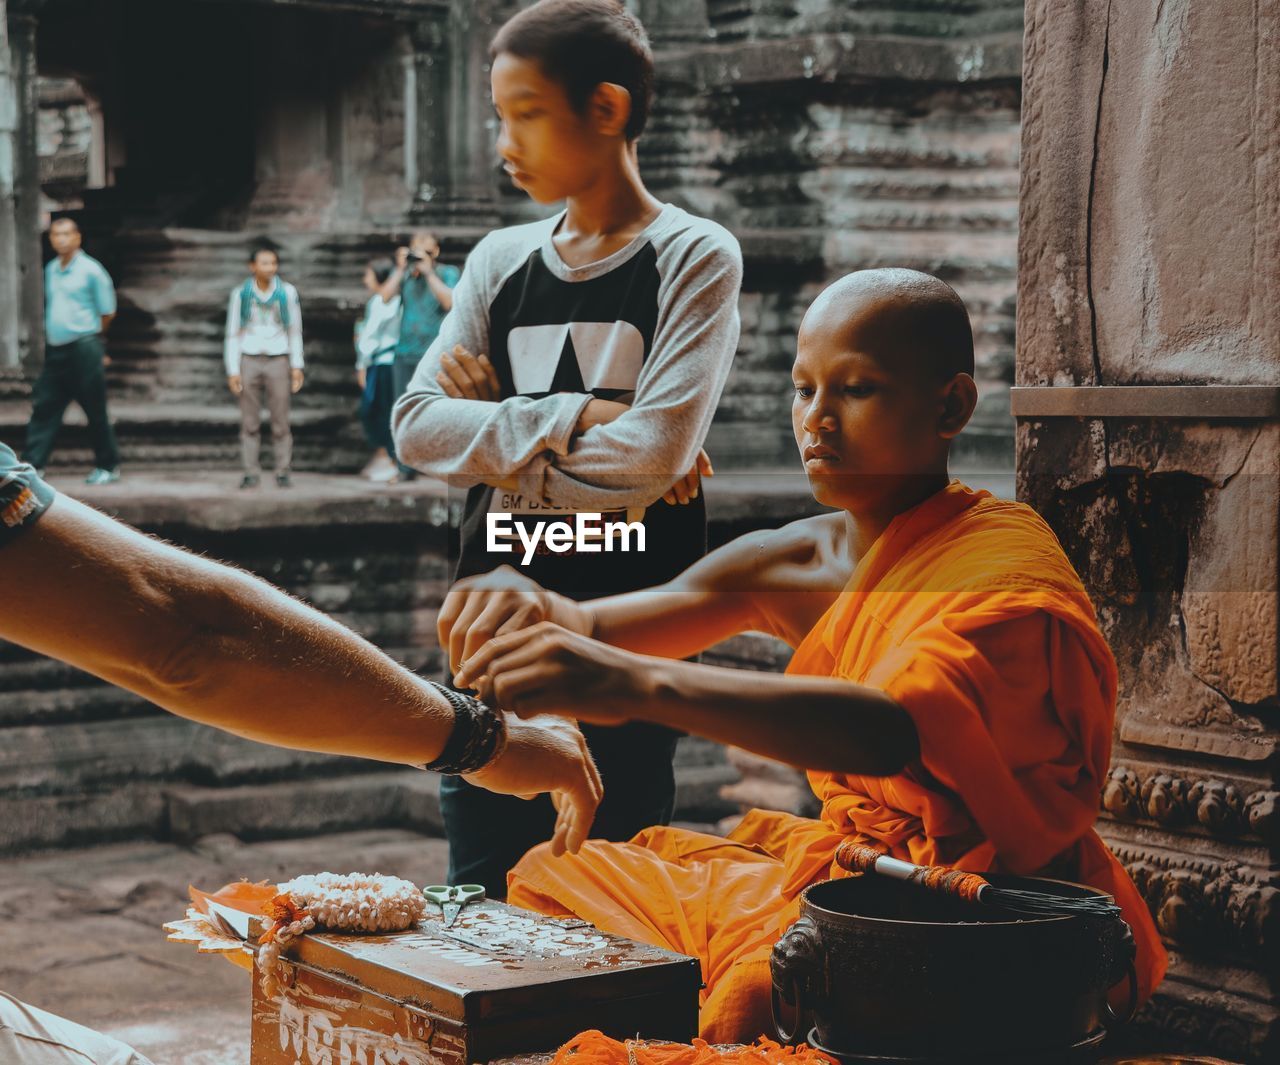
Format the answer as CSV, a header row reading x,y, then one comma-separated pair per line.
x,y
950,694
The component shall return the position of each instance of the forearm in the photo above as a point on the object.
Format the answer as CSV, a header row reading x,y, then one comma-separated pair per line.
x,y
231,343
272,669
669,621
391,287
215,644
295,331
811,722
474,441
593,474
442,292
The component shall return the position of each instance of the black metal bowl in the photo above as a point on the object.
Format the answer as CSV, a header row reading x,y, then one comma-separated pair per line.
x,y
893,971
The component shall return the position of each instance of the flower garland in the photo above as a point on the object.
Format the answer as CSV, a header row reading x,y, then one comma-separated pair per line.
x,y
356,902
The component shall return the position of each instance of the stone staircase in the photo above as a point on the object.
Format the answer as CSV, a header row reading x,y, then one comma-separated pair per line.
x,y
167,386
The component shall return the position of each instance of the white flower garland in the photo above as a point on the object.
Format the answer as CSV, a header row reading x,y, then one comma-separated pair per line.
x,y
356,902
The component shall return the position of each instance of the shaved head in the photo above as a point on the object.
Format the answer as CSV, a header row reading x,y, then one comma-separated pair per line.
x,y
883,382
905,319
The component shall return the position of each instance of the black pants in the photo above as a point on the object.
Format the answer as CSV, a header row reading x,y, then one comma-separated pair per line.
x,y
489,833
71,372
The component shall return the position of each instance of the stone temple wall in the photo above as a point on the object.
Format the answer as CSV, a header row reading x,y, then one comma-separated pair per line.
x,y
1148,434
831,137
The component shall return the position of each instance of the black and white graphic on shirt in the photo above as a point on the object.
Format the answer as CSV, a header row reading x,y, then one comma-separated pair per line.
x,y
603,358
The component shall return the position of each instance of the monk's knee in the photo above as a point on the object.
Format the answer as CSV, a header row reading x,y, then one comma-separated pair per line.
x,y
739,1009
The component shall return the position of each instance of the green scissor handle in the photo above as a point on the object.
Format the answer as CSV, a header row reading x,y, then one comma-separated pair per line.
x,y
451,898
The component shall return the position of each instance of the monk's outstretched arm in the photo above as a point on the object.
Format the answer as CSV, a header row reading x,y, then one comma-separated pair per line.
x,y
814,722
717,597
811,722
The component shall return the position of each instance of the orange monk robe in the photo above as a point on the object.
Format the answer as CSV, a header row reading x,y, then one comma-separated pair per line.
x,y
967,612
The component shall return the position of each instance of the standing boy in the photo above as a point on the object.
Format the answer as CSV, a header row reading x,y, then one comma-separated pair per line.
x,y
79,304
577,372
263,355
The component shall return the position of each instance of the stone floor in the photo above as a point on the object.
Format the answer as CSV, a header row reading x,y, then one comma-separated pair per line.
x,y
80,935
80,932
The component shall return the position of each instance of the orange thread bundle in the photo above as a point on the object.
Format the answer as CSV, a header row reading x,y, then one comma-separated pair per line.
x,y
595,1048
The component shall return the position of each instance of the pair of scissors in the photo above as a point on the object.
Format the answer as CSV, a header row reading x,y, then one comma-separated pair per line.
x,y
451,899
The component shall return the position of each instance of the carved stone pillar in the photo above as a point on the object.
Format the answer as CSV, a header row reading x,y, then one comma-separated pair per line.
x,y
21,278
454,132
674,21
10,298
1148,362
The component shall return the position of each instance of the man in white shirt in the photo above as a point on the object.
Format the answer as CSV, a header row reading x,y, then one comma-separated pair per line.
x,y
263,355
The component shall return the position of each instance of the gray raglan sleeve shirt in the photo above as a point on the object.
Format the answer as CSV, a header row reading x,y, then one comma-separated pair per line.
x,y
629,462
466,441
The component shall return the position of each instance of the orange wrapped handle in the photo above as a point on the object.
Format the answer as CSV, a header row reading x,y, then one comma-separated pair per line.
x,y
859,858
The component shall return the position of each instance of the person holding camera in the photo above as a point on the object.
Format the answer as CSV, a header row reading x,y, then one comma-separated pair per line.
x,y
425,287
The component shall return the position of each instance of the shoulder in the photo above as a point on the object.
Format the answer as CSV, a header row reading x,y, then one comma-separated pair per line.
x,y
501,252
92,266
289,290
687,233
999,545
497,244
768,559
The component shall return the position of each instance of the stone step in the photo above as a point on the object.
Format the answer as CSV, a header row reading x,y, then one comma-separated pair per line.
x,y
394,798
69,758
402,799
54,705
376,800
177,435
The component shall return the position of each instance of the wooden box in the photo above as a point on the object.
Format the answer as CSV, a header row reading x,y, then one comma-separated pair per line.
x,y
501,982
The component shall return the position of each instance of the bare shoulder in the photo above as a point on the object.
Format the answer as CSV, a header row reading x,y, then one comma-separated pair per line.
x,y
797,555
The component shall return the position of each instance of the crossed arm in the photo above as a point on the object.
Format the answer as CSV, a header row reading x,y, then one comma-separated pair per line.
x,y
219,646
617,659
464,375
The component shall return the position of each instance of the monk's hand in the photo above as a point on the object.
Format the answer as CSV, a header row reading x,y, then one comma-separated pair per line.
x,y
479,608
464,375
548,754
687,487
547,669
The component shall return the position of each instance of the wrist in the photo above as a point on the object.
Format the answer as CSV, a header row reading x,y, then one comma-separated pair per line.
x,y
511,728
477,738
